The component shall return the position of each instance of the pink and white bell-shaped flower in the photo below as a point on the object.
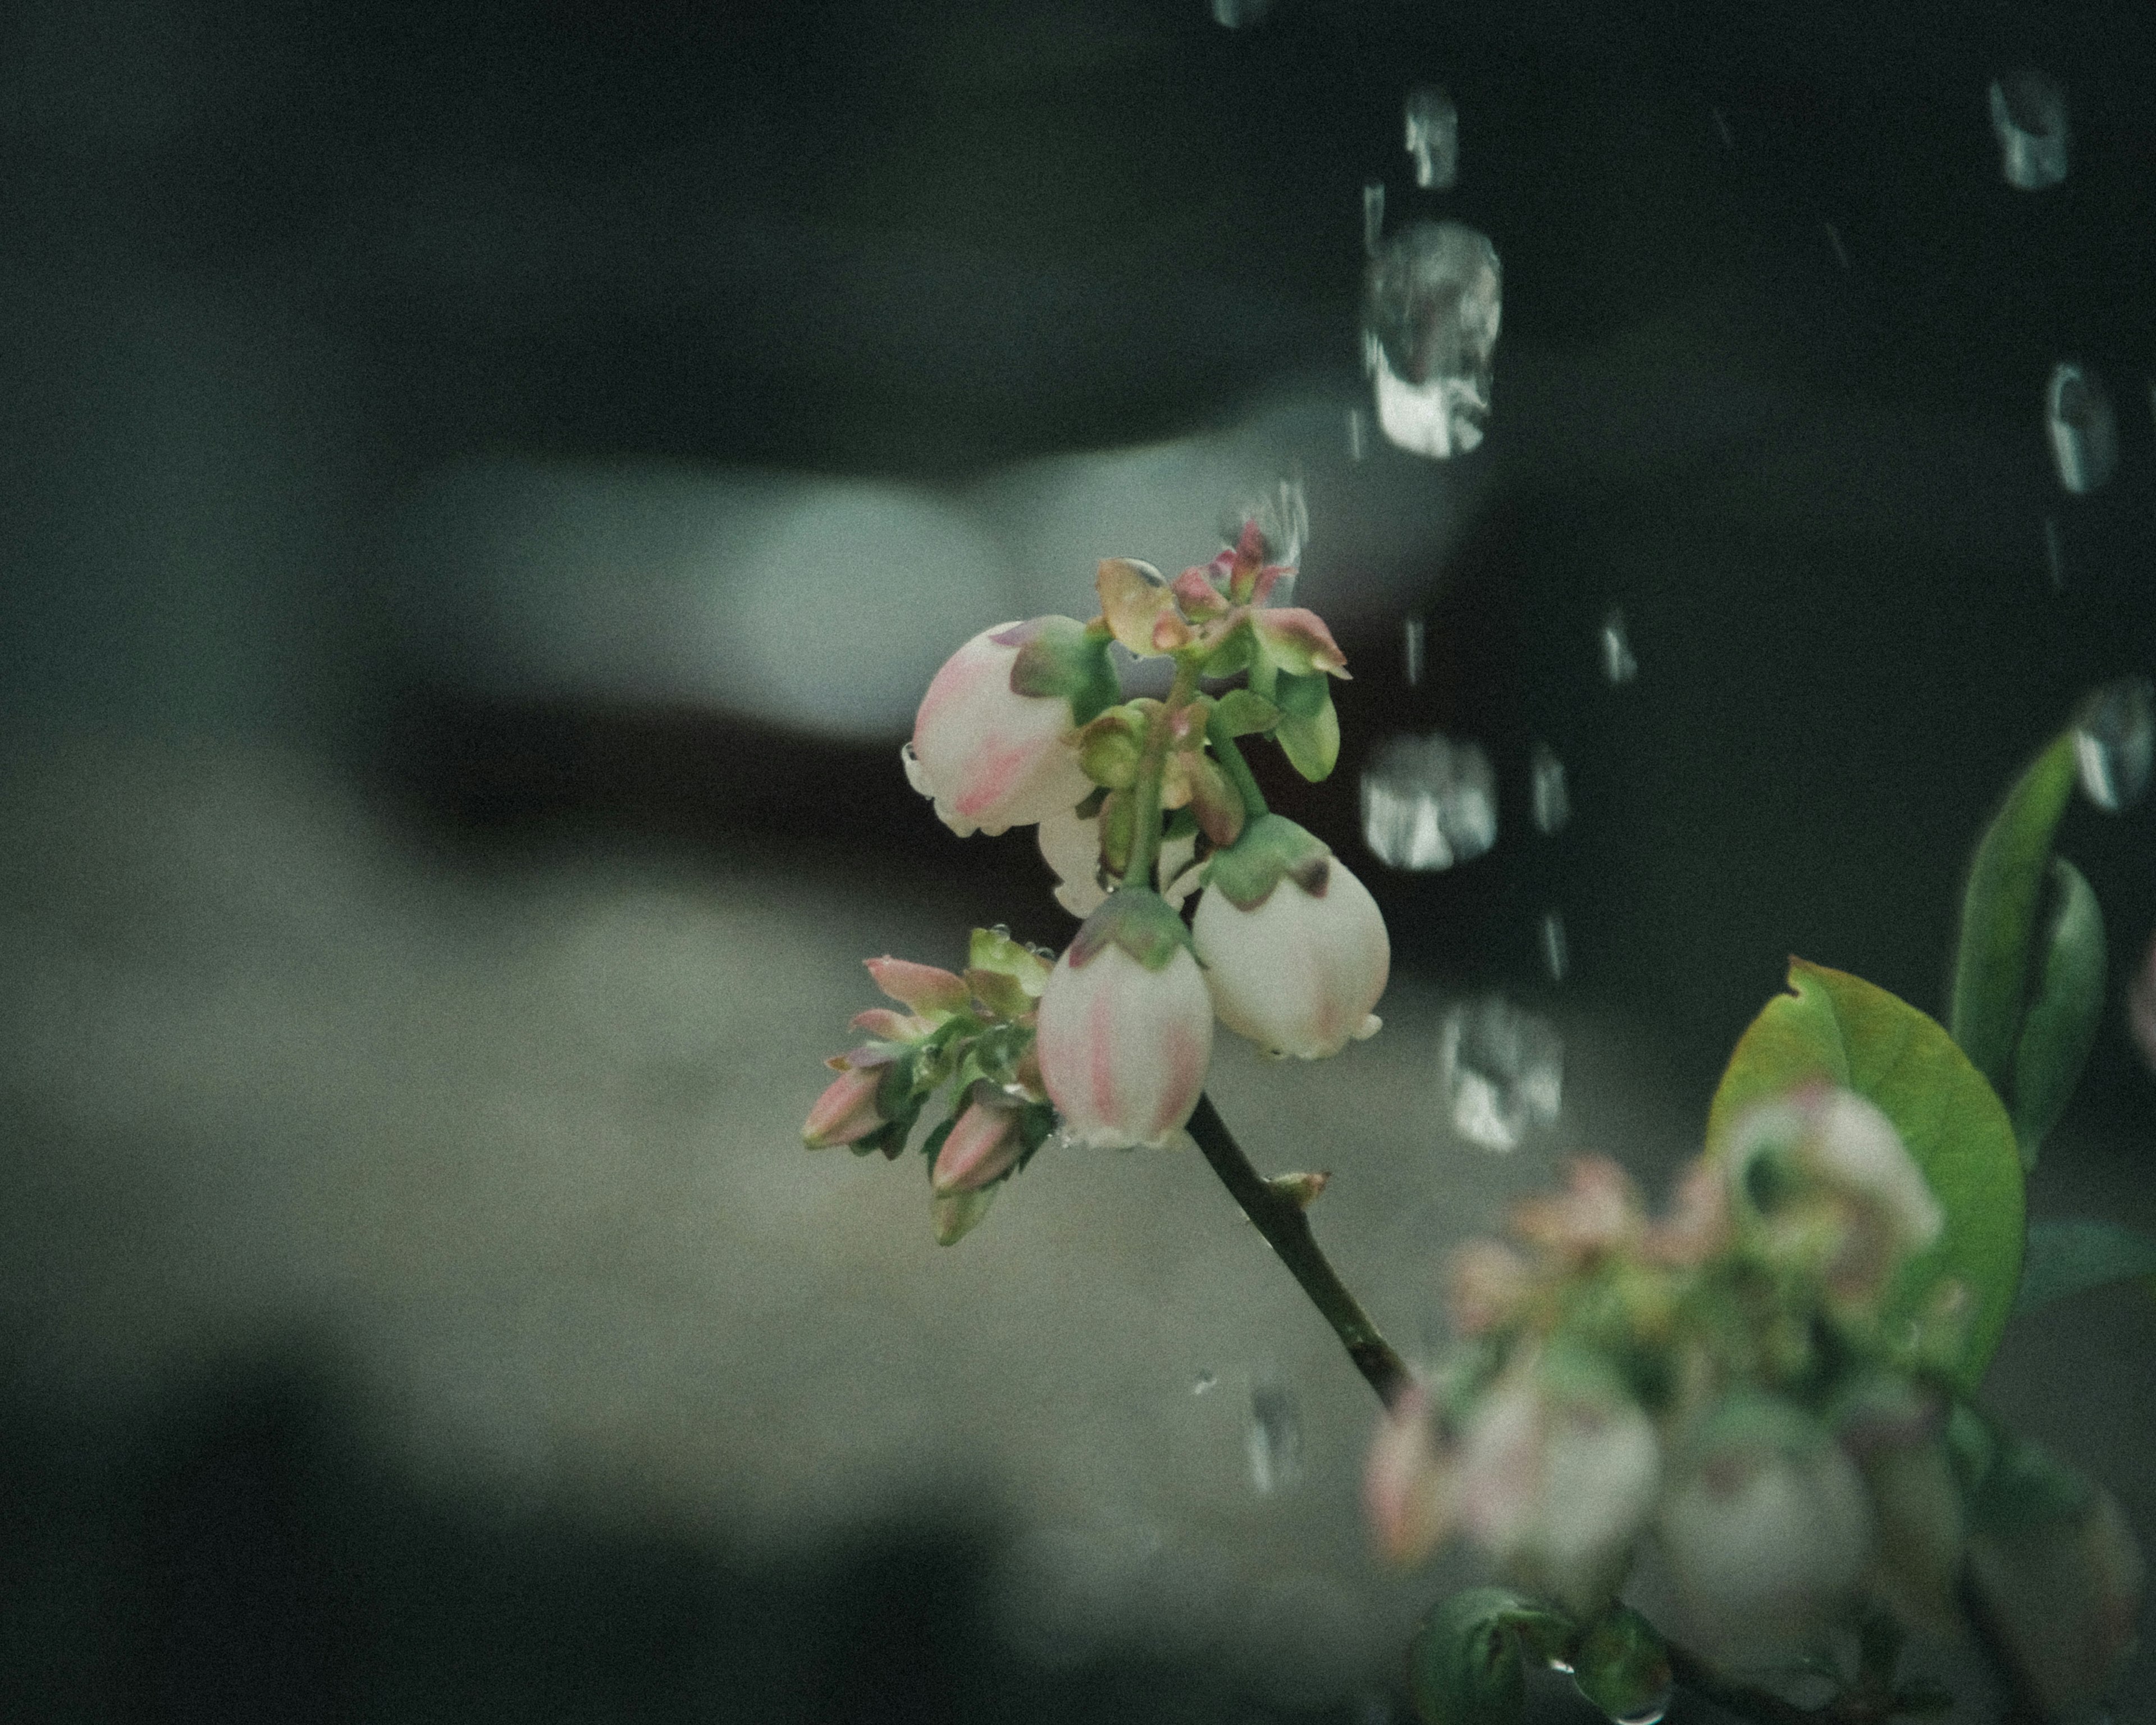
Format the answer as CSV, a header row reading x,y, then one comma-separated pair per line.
x,y
992,740
1295,948
1126,1026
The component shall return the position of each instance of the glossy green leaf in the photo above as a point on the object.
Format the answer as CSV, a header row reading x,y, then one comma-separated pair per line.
x,y
1464,1665
2065,1007
1844,1030
1999,912
2068,1258
1309,733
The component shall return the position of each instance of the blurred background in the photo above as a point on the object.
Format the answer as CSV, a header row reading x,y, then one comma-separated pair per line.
x,y
484,486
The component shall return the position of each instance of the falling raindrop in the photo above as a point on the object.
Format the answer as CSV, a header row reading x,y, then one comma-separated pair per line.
x,y
1429,803
1432,137
1202,1384
1834,239
1356,435
1557,959
1234,14
1272,1437
2054,554
1373,216
2029,118
1721,126
1618,664
1552,802
2114,740
1412,634
1503,1071
1431,306
2084,431
1283,518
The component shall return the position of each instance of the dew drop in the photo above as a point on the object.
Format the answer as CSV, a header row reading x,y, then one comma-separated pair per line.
x,y
2114,741
1272,1437
1560,1666
1429,803
1618,664
2084,431
2029,118
1503,1072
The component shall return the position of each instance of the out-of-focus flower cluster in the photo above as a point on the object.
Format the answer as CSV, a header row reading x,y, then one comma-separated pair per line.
x,y
1141,804
1740,1381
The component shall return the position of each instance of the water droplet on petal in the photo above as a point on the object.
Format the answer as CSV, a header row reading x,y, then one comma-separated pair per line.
x,y
1202,1384
1433,136
2114,741
1431,306
1429,803
1557,959
1551,801
2029,118
2083,429
1618,664
1272,1437
1503,1071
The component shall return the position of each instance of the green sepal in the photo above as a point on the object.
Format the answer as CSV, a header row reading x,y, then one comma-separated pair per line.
x,y
1622,1665
2067,1258
1003,996
933,1143
1214,802
1138,919
1236,652
2066,1006
1464,1665
993,949
1111,747
1999,912
956,1214
1061,656
1091,805
1119,831
1841,1029
2021,1488
1177,823
1244,713
1309,729
1272,848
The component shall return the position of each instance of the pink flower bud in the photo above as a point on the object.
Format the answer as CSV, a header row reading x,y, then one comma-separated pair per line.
x,y
1298,971
982,1148
1557,1483
1768,1528
2065,1593
846,1110
1486,1284
1598,1212
991,757
1410,1485
1124,1040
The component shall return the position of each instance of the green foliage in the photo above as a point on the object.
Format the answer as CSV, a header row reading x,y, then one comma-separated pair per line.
x,y
2069,1258
1840,1030
1309,731
2028,969
1241,713
1464,1665
2065,1007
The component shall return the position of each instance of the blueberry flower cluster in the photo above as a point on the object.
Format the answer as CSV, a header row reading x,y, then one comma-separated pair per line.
x,y
1725,1381
1142,805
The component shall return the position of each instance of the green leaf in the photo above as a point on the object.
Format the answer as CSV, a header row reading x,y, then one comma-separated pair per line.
x,y
1999,912
1245,714
1464,1663
1309,733
2065,1005
2068,1258
1838,1028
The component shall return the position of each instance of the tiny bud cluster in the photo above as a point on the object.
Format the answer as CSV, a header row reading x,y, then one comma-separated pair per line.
x,y
1723,1379
1143,805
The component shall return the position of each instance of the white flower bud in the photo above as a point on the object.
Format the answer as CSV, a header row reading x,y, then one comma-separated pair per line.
x,y
991,757
1298,972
